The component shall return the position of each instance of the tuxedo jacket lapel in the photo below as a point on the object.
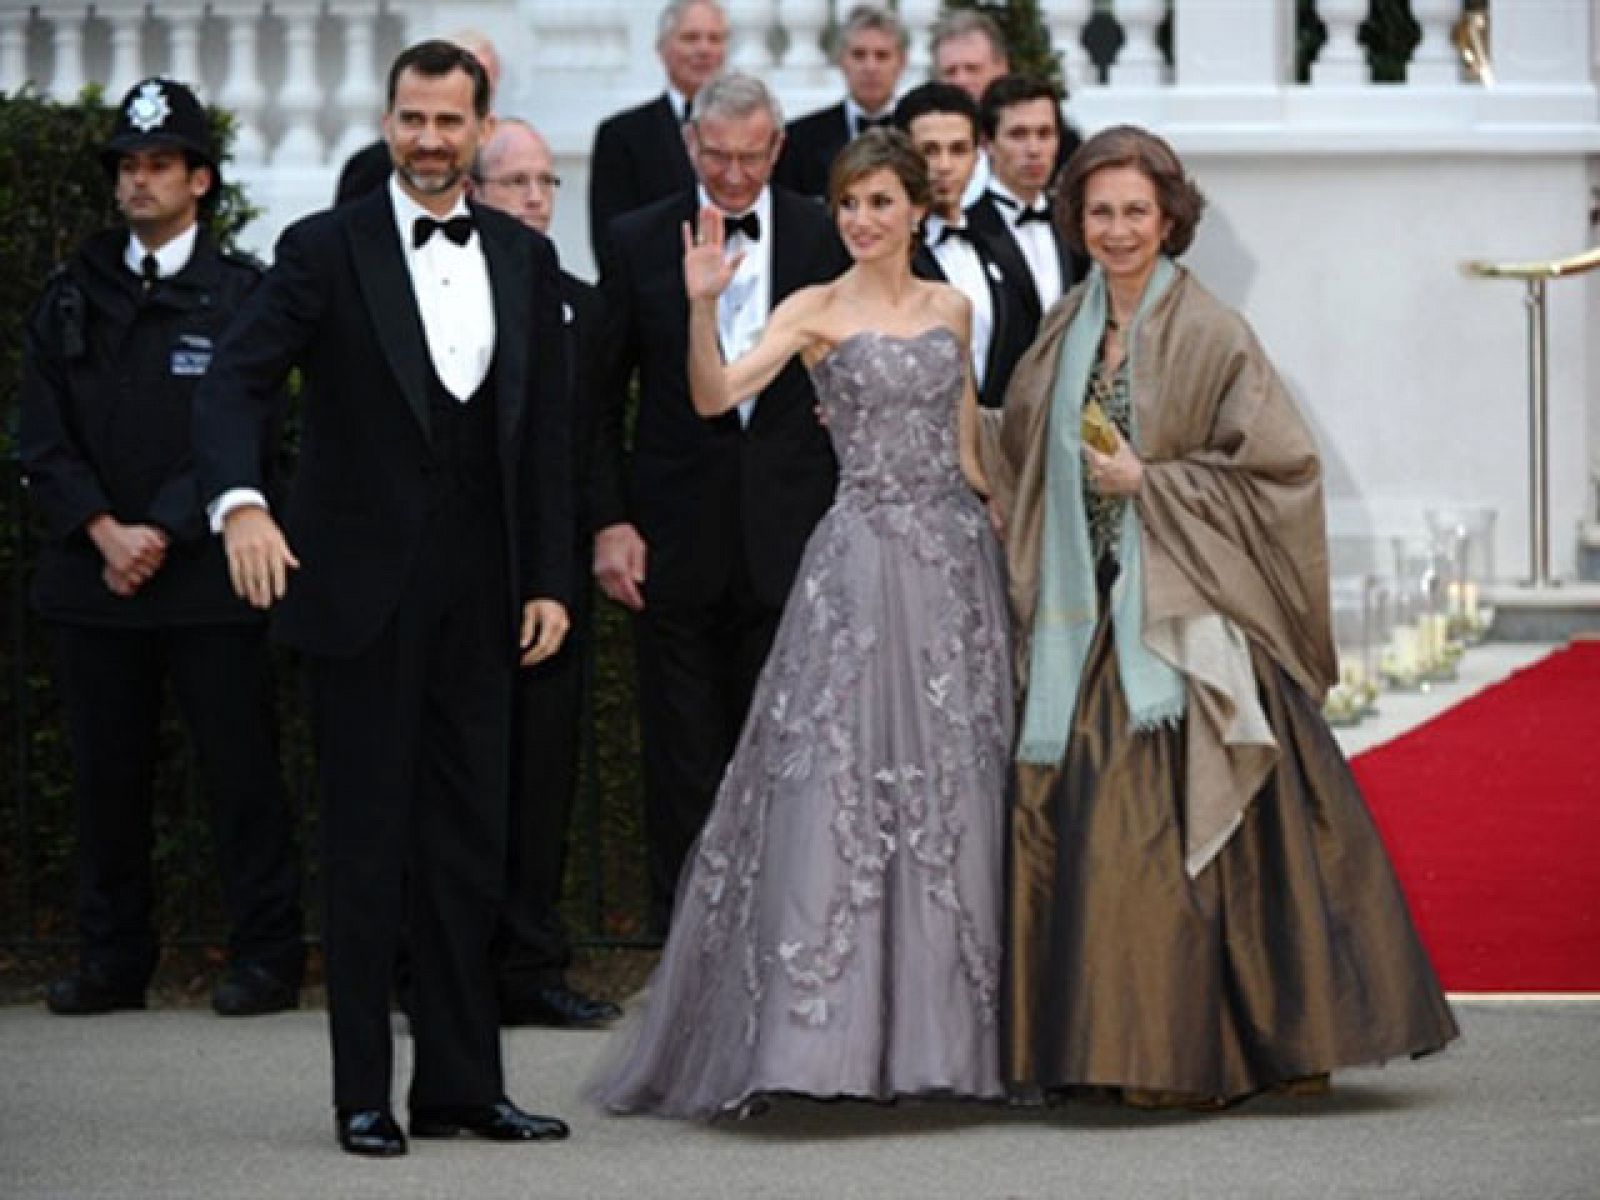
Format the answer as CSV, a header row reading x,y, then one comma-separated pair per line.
x,y
509,269
674,154
385,284
789,261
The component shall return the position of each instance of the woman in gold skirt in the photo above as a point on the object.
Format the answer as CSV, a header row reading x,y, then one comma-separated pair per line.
x,y
1200,907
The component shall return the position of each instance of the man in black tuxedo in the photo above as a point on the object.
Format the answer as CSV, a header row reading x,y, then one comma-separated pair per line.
x,y
700,531
370,167
872,57
1022,123
426,537
135,592
639,154
515,173
942,122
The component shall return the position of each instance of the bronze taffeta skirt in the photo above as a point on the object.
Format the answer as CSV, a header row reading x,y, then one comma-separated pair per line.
x,y
1291,954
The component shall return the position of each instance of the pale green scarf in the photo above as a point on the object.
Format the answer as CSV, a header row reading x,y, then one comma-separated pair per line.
x,y
1065,619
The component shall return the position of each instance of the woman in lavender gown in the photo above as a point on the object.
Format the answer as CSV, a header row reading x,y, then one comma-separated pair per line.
x,y
837,928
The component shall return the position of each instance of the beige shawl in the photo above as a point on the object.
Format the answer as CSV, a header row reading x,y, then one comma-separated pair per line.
x,y
1231,517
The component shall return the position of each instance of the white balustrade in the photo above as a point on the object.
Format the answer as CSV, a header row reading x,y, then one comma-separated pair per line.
x,y
126,18
1232,44
183,41
749,25
358,96
66,40
1140,62
919,16
300,99
1343,61
804,22
1434,61
1066,19
13,46
591,36
241,91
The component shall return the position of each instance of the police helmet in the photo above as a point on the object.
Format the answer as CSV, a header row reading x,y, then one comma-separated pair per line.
x,y
161,112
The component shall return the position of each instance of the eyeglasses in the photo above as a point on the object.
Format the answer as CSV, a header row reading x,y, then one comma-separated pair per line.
x,y
521,181
721,160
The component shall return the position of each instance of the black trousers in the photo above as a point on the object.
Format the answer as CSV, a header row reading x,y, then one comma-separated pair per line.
x,y
547,728
412,740
697,665
112,683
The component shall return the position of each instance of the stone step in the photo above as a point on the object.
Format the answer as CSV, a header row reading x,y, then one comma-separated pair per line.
x,y
1555,613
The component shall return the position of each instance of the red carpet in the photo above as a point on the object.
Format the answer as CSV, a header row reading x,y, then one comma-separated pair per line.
x,y
1491,813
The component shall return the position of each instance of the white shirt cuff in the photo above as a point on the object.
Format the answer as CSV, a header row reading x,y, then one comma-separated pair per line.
x,y
240,497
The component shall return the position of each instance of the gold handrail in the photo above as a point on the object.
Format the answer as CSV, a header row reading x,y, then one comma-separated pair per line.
x,y
1577,264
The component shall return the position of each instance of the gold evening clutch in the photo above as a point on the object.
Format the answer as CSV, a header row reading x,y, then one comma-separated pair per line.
x,y
1097,429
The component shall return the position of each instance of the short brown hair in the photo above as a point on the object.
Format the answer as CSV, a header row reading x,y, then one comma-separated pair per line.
x,y
1130,146
880,150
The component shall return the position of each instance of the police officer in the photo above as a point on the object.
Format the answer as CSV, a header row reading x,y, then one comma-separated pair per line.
x,y
134,587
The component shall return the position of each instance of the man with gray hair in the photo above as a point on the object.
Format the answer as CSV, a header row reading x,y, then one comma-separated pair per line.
x,y
699,530
639,153
872,56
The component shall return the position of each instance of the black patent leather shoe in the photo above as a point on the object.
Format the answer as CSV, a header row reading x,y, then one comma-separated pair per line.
x,y
88,992
555,1005
501,1121
249,990
369,1131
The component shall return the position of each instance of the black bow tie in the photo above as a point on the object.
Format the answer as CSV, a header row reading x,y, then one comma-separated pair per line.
x,y
457,229
865,123
749,225
1041,215
963,232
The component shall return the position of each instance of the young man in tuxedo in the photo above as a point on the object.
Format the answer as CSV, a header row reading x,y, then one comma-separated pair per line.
x,y
425,545
134,590
700,530
942,122
639,154
516,173
1021,119
872,57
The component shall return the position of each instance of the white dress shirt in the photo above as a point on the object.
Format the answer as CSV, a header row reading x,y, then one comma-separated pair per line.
x,y
170,259
964,268
743,307
453,296
1038,242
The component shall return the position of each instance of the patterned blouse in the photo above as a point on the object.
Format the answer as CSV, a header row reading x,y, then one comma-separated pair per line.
x,y
1104,513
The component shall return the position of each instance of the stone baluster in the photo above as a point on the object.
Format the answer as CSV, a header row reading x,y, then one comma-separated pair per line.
x,y
591,36
804,22
1342,61
13,45
1066,21
1434,60
919,16
1139,62
183,42
241,90
749,24
358,96
300,100
1232,44
126,18
66,39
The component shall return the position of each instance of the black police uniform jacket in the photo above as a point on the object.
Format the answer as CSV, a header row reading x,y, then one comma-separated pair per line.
x,y
109,374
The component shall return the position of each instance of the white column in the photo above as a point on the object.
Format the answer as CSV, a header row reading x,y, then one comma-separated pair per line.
x,y
804,21
301,98
67,80
359,96
1139,62
13,45
183,42
126,20
1343,60
919,16
1541,41
1435,60
241,90
1233,43
1066,19
749,23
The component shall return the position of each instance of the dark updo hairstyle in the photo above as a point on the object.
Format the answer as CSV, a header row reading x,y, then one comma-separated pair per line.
x,y
880,150
1129,146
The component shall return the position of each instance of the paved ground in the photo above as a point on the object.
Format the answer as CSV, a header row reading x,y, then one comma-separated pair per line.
x,y
180,1103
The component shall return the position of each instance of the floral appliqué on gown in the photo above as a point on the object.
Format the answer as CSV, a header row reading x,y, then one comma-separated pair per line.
x,y
837,929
